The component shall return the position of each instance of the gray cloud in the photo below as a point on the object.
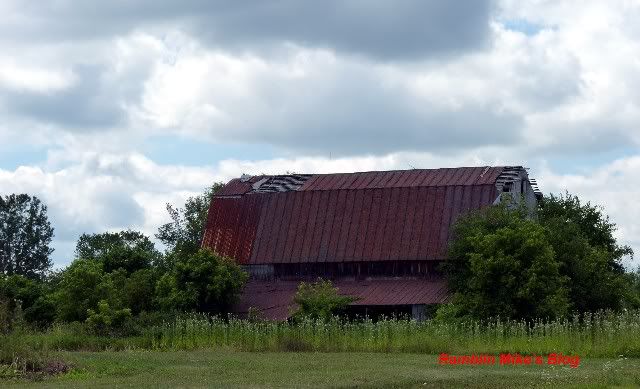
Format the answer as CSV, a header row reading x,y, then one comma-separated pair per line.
x,y
351,110
367,119
401,29
91,102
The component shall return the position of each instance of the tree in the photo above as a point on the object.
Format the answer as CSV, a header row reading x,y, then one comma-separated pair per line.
x,y
501,264
30,295
25,235
81,287
184,233
589,219
115,268
128,250
634,281
202,282
587,253
319,300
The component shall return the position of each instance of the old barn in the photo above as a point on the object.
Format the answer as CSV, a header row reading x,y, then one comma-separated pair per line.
x,y
379,236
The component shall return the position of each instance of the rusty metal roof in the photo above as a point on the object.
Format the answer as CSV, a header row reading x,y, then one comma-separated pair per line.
x,y
404,178
371,216
274,299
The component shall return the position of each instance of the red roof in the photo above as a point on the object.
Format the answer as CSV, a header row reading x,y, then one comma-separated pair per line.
x,y
371,216
275,298
404,178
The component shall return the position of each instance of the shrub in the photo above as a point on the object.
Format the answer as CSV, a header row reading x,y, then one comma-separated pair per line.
x,y
107,320
319,300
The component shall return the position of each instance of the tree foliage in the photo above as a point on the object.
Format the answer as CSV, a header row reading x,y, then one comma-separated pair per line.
x,y
510,263
128,250
202,282
31,296
319,300
82,285
183,234
592,224
106,320
502,265
587,252
25,235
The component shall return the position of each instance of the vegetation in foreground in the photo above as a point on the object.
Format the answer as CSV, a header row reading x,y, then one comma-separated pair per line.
x,y
286,370
599,335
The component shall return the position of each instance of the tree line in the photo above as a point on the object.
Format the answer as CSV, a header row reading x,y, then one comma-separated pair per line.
x,y
504,262
116,279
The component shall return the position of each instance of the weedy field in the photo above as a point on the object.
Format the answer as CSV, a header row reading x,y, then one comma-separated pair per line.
x,y
200,350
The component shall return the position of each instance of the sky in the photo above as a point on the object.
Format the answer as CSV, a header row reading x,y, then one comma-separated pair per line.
x,y
111,109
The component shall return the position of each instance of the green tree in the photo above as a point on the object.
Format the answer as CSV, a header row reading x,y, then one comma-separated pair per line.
x,y
634,281
589,219
30,295
319,300
502,264
202,282
138,291
25,235
128,250
82,286
184,233
587,252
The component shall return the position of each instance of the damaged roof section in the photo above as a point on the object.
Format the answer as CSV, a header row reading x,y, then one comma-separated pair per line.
x,y
263,184
284,183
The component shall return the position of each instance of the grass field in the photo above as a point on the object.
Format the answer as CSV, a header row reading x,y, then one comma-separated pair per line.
x,y
231,369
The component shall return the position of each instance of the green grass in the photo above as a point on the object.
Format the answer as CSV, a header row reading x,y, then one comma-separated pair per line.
x,y
232,369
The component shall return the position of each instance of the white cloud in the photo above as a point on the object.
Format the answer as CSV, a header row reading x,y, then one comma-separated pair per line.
x,y
41,80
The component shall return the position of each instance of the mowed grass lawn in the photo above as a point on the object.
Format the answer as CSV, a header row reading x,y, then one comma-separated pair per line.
x,y
208,368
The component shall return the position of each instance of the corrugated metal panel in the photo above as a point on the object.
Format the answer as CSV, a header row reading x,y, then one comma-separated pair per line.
x,y
354,226
283,228
231,226
348,218
364,225
336,226
275,298
303,223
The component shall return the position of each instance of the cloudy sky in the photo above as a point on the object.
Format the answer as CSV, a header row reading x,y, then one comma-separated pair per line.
x,y
110,109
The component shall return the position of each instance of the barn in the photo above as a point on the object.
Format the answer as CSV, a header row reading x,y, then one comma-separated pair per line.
x,y
379,236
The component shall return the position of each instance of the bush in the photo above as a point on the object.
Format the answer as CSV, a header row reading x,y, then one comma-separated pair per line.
x,y
319,300
107,320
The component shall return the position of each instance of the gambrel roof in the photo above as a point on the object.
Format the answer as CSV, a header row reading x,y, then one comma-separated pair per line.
x,y
348,217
